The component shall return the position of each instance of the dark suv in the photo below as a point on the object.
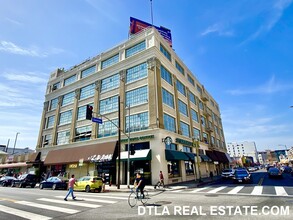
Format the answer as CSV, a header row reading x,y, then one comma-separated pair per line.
x,y
25,180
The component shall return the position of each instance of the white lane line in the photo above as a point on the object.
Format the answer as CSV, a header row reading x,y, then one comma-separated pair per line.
x,y
23,214
257,190
179,190
107,197
70,202
217,189
92,200
236,190
200,189
280,191
48,207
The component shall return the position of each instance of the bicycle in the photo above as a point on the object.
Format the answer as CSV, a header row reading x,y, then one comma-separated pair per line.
x,y
135,196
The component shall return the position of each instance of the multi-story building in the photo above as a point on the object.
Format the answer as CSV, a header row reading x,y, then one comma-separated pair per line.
x,y
159,97
239,149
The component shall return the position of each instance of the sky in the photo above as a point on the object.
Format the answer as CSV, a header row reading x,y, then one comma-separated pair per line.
x,y
240,50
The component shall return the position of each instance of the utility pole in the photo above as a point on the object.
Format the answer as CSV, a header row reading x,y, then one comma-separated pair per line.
x,y
7,145
128,149
152,12
119,141
17,133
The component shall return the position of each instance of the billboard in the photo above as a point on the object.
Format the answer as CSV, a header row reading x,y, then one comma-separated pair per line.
x,y
137,25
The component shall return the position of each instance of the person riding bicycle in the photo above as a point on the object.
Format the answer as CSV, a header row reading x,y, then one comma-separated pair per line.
x,y
139,184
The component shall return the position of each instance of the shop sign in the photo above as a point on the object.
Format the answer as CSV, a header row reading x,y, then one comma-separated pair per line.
x,y
10,158
139,138
73,166
100,158
184,142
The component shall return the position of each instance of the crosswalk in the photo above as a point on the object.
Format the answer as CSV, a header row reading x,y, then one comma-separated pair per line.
x,y
49,207
241,190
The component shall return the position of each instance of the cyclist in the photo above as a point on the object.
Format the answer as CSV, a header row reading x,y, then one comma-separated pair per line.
x,y
139,184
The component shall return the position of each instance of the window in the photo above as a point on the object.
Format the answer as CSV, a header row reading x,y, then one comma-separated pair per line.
x,y
110,83
194,115
187,149
212,102
205,138
180,87
165,52
68,98
83,133
168,98
201,105
182,108
189,168
65,117
196,133
166,75
50,121
190,79
137,96
81,112
213,140
88,71
199,89
135,49
56,86
69,80
179,67
169,123
192,98
216,129
109,105
138,122
87,91
54,103
47,140
203,121
137,72
63,137
184,129
171,146
111,61
173,169
108,128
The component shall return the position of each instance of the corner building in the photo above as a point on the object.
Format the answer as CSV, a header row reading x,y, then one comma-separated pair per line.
x,y
165,99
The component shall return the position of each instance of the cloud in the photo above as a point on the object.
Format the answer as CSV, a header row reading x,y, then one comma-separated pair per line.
x,y
270,87
219,29
13,21
28,77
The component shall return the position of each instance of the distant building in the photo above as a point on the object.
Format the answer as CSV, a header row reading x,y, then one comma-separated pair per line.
x,y
238,149
262,157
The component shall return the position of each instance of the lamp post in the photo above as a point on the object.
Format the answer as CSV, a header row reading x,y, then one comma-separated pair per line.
x,y
196,145
17,133
128,149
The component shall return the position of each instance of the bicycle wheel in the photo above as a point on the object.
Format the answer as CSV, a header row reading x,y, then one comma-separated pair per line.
x,y
145,198
132,199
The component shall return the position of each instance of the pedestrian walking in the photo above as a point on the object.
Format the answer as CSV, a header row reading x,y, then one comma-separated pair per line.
x,y
161,180
211,175
104,183
71,184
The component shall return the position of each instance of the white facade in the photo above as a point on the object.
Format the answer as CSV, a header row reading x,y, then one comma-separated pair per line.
x,y
246,148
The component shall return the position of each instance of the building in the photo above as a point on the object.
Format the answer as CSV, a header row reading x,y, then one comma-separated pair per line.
x,y
246,148
262,157
162,105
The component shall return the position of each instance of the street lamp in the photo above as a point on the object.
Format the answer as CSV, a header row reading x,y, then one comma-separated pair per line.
x,y
17,133
196,145
128,149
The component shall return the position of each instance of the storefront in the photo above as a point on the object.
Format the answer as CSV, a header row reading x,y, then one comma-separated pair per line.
x,y
220,161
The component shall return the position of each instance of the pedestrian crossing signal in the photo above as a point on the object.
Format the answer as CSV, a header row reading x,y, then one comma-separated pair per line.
x,y
89,112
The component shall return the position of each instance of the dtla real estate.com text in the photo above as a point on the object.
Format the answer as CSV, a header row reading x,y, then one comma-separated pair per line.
x,y
214,210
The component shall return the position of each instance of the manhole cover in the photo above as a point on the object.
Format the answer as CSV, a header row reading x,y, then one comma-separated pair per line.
x,y
162,202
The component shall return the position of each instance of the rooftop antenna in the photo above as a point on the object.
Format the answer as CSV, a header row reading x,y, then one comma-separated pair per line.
x,y
152,12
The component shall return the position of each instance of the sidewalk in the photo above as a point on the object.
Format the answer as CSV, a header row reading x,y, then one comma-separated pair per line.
x,y
169,187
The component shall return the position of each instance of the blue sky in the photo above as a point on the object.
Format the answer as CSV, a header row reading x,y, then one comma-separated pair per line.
x,y
240,50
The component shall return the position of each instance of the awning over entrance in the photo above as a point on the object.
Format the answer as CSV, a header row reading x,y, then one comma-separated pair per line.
x,y
217,156
229,158
205,158
211,155
94,152
12,165
34,158
145,154
178,155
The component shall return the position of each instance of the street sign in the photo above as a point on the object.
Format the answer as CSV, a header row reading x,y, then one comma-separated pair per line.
x,y
97,120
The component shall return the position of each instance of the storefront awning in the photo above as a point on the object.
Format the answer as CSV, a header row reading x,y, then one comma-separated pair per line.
x,y
211,155
145,154
191,156
34,158
176,155
229,158
221,156
94,152
205,158
12,165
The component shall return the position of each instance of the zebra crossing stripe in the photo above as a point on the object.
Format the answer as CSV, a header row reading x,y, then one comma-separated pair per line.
x,y
200,189
107,197
280,191
74,203
257,190
236,190
217,189
92,200
48,207
23,214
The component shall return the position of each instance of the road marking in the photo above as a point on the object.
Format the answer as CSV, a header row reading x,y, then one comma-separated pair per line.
x,y
217,189
107,197
74,203
23,214
236,190
260,181
280,191
48,207
257,190
92,200
200,189
180,190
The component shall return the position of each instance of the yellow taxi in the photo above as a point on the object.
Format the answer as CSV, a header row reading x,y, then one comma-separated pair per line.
x,y
88,184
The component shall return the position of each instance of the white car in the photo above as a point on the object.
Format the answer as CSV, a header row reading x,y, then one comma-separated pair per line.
x,y
227,173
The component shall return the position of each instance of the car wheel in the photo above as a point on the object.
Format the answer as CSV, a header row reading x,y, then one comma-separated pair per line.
x,y
20,185
33,186
41,186
87,188
12,184
54,187
99,189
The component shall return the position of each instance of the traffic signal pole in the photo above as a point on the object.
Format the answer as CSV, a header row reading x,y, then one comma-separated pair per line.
x,y
119,142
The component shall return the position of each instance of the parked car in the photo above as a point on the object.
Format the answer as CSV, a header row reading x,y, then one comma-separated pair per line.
x,y
25,180
89,183
227,173
241,176
53,183
6,180
286,169
275,172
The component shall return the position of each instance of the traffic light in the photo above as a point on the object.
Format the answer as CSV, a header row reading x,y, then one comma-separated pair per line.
x,y
89,112
132,149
